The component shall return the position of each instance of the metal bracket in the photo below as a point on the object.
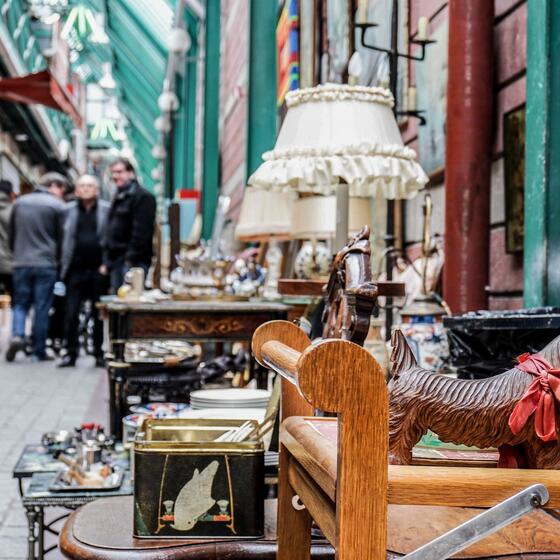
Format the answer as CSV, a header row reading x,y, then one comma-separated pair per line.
x,y
297,504
482,525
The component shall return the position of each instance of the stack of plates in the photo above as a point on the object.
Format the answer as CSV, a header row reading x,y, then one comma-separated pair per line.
x,y
229,398
257,414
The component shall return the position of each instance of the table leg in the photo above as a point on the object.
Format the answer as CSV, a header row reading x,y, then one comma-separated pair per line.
x,y
41,532
120,406
31,514
258,372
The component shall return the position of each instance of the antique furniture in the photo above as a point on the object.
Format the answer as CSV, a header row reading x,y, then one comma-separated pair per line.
x,y
341,139
169,384
197,321
352,271
38,496
85,537
338,468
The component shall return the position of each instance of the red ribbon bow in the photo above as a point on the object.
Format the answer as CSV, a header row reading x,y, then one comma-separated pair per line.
x,y
539,398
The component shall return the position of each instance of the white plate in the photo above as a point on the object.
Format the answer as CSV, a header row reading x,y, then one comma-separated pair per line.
x,y
226,413
230,394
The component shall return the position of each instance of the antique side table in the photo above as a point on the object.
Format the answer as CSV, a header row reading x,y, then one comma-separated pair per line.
x,y
38,496
195,321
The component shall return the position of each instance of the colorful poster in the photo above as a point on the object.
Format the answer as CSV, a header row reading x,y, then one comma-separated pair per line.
x,y
287,41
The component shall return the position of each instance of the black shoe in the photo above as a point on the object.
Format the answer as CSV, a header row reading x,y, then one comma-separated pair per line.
x,y
99,361
67,361
16,344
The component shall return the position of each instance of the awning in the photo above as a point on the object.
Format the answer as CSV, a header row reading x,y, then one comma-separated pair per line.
x,y
40,88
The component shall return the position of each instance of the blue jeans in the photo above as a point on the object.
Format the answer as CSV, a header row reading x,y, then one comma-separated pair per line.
x,y
33,287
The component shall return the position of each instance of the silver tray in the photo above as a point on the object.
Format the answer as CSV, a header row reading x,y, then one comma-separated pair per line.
x,y
112,482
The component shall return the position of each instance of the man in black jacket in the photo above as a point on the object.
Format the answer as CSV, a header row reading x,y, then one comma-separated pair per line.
x,y
130,226
81,259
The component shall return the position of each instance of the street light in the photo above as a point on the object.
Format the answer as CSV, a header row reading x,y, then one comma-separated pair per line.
x,y
163,123
158,152
168,101
179,40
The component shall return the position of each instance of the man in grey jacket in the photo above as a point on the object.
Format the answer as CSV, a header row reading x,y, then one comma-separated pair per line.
x,y
81,265
36,226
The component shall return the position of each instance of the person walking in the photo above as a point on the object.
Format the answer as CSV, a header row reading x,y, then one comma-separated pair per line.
x,y
130,226
36,226
6,201
81,265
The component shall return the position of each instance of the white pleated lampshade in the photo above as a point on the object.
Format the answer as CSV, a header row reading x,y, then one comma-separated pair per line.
x,y
340,133
314,217
265,213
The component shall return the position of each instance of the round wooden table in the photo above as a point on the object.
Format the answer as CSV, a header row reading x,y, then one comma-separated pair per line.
x,y
102,530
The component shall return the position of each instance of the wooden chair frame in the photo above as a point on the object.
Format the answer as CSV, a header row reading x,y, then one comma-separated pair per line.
x,y
349,500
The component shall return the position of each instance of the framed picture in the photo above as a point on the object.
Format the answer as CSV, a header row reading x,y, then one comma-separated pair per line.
x,y
431,85
514,178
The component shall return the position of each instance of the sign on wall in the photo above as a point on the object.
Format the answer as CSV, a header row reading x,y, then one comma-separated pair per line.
x,y
287,41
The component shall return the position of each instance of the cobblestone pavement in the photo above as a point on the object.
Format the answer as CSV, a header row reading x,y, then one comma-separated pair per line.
x,y
36,398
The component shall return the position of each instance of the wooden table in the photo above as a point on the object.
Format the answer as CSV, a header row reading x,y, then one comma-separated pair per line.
x,y
195,321
102,530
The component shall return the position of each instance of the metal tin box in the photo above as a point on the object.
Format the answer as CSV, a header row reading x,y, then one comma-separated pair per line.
x,y
188,485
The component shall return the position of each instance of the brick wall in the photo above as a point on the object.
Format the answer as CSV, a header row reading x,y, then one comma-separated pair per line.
x,y
506,270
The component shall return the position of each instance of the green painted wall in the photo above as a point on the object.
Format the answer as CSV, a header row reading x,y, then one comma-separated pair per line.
x,y
542,156
211,154
184,130
261,133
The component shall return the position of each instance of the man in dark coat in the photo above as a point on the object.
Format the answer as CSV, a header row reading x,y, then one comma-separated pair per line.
x,y
130,226
81,265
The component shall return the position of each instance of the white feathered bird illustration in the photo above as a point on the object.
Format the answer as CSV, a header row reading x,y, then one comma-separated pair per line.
x,y
195,498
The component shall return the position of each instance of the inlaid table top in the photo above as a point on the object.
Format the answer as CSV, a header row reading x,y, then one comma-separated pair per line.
x,y
114,304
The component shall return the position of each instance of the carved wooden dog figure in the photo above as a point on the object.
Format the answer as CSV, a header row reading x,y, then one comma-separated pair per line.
x,y
468,412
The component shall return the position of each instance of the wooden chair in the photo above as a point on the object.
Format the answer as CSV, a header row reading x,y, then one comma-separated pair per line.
x,y
338,468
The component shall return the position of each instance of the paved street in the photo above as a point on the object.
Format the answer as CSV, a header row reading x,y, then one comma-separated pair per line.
x,y
36,398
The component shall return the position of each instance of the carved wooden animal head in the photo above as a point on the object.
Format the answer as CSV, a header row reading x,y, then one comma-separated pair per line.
x,y
469,412
351,296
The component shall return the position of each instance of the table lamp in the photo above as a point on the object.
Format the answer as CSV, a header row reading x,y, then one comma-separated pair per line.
x,y
314,219
266,216
340,140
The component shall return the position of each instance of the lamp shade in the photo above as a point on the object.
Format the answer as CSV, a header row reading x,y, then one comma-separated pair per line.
x,y
264,213
339,133
314,217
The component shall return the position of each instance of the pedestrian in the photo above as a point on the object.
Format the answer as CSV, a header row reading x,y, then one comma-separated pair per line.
x,y
130,226
36,226
81,265
7,197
